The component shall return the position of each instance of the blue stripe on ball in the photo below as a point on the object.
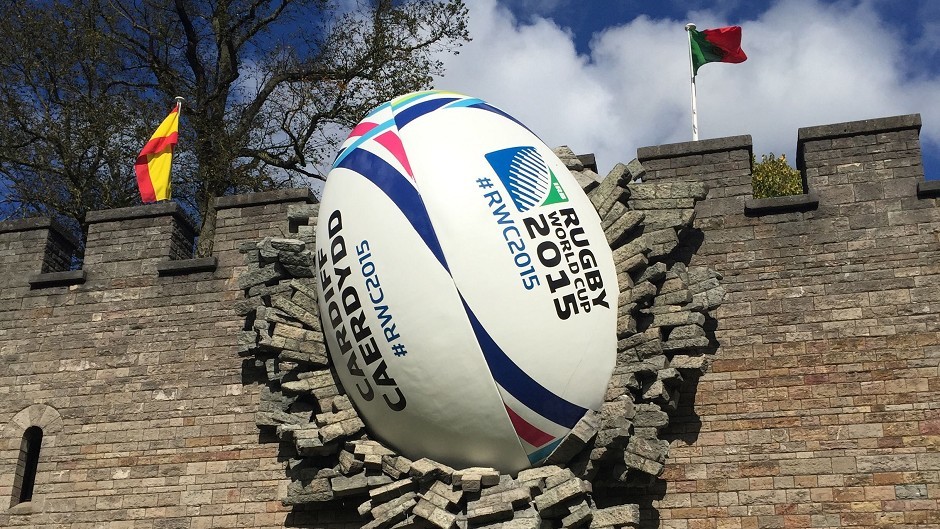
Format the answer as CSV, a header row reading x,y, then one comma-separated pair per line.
x,y
519,384
400,191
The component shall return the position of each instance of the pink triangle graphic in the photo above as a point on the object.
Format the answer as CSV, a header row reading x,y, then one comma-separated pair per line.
x,y
392,142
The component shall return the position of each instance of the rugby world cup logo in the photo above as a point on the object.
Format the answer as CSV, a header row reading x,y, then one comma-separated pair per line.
x,y
526,177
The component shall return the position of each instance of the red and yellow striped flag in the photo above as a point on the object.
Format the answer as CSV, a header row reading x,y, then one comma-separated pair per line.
x,y
153,162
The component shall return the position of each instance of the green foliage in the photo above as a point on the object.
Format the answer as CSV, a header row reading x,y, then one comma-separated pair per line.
x,y
773,177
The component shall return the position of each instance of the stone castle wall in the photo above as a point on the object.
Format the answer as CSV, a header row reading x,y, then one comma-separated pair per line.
x,y
822,405
820,408
133,358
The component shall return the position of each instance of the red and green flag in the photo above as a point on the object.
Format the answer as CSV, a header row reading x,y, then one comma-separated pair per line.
x,y
716,45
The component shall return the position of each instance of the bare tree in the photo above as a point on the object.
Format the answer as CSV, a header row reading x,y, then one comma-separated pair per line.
x,y
270,84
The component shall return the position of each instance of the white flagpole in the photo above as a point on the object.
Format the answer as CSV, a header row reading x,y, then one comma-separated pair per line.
x,y
688,28
179,114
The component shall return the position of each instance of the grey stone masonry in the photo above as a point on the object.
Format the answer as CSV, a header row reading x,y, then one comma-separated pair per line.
x,y
32,247
722,164
161,231
157,410
818,402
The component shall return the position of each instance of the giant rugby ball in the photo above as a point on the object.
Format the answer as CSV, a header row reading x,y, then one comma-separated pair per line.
x,y
467,291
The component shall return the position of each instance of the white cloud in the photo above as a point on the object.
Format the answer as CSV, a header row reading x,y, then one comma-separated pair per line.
x,y
809,64
532,72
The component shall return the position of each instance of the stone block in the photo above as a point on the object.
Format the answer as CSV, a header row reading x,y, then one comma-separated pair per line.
x,y
614,413
303,213
557,478
482,513
647,466
348,464
349,485
639,293
363,448
475,478
392,490
259,275
617,516
696,287
316,490
312,354
625,309
649,415
518,496
448,492
653,334
281,244
677,319
304,301
633,172
621,225
377,480
310,442
275,418
709,299
296,312
324,419
654,273
388,514
662,242
629,266
552,502
585,430
353,426
426,470
654,449
396,467
613,438
568,157
646,369
600,196
267,290
613,214
686,331
626,326
670,377
698,364
679,297
638,246
691,344
435,515
579,515
911,491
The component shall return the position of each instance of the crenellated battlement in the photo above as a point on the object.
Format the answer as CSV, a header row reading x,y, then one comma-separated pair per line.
x,y
829,331
148,240
868,165
875,153
34,245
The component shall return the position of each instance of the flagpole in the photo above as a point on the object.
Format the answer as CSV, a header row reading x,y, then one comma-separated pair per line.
x,y
688,30
179,114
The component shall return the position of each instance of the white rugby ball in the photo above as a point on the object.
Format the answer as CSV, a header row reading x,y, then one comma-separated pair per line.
x,y
467,291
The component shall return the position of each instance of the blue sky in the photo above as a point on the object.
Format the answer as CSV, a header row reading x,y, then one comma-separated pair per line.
x,y
610,76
